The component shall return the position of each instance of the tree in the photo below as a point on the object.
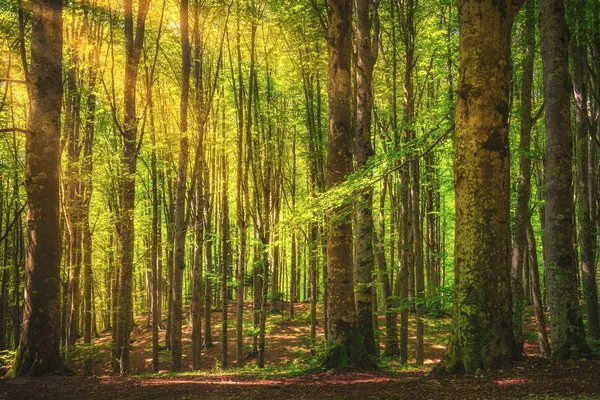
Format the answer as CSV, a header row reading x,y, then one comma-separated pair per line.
x,y
585,225
482,327
367,36
180,210
346,341
38,353
524,182
133,50
566,324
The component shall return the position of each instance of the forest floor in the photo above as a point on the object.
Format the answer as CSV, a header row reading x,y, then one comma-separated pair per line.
x,y
292,373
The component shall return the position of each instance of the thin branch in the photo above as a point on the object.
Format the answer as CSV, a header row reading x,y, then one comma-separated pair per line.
x,y
538,114
14,129
9,227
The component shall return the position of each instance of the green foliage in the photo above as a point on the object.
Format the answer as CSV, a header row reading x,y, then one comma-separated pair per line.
x,y
594,346
7,357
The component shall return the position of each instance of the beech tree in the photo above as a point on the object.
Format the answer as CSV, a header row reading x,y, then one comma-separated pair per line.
x,y
367,35
346,342
482,335
37,354
134,40
566,324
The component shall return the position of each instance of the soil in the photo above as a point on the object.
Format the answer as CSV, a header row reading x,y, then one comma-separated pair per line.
x,y
288,355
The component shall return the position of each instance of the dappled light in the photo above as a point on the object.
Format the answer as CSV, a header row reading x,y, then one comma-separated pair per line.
x,y
312,199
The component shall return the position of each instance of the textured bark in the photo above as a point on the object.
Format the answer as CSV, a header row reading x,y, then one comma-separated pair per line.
x,y
582,189
407,240
346,346
134,40
566,323
367,35
482,326
38,354
180,209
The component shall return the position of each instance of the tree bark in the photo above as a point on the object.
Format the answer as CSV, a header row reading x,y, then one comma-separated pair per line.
x,y
566,323
582,189
540,321
133,49
367,35
482,325
38,354
345,339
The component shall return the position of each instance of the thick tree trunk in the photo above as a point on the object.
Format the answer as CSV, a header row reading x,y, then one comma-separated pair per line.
x,y
566,322
346,342
38,354
367,47
482,326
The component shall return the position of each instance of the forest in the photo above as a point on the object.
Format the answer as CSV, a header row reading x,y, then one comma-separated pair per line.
x,y
269,198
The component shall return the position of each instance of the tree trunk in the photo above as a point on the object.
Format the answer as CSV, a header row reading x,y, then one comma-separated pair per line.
x,y
37,354
582,188
180,211
367,47
179,254
225,259
482,326
566,323
345,339
391,315
133,47
540,321
524,182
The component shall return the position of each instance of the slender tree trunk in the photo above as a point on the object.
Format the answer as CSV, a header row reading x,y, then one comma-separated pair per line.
x,y
225,259
241,200
180,209
566,322
391,315
133,47
524,182
582,188
540,321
